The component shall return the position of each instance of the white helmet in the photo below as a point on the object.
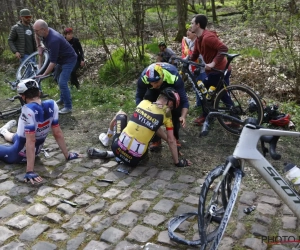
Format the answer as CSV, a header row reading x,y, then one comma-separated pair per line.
x,y
26,84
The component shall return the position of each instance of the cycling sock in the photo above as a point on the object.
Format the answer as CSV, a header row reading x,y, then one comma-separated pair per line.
x,y
110,133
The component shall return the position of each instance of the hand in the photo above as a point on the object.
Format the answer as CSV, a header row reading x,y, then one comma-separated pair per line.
x,y
40,50
32,177
82,63
210,65
183,163
182,121
72,156
18,55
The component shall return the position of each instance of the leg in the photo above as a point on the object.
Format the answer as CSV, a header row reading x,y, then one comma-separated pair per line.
x,y
4,131
74,80
64,89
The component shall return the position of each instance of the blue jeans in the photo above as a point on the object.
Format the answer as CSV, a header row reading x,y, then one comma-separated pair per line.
x,y
64,77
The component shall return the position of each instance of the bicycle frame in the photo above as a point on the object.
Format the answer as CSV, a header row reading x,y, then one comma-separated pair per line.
x,y
246,151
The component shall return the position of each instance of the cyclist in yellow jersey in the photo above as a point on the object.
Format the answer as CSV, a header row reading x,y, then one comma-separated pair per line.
x,y
131,141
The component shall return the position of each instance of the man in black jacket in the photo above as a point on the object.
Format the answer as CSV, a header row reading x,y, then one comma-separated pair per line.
x,y
68,33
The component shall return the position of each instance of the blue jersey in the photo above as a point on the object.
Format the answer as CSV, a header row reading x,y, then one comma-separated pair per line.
x,y
35,119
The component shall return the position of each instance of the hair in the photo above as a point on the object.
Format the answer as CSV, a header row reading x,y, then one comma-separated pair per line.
x,y
31,93
202,20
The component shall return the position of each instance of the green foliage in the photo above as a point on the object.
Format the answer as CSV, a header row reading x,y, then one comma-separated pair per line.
x,y
293,109
252,52
120,68
152,48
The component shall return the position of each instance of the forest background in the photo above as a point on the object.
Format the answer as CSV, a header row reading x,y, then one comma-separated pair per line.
x,y
120,38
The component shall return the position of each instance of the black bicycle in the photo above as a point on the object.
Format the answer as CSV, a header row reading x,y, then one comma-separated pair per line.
x,y
242,103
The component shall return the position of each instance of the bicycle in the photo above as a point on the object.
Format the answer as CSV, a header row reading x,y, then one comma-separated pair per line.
x,y
33,65
9,110
245,102
221,186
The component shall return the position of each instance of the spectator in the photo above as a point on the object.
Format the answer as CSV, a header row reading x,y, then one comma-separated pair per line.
x,y
21,37
152,81
34,124
210,47
60,52
131,141
68,33
165,54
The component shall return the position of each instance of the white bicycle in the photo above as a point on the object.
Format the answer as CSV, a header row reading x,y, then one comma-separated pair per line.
x,y
220,189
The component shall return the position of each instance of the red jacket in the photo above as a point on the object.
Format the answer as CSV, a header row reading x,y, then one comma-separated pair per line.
x,y
210,47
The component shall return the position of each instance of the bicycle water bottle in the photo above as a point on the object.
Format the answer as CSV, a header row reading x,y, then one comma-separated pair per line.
x,y
201,87
292,173
211,92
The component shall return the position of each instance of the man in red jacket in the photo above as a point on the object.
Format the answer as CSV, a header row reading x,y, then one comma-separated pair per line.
x,y
210,47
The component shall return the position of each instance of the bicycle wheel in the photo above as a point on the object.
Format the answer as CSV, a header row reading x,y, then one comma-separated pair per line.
x,y
241,102
29,68
234,180
11,111
211,205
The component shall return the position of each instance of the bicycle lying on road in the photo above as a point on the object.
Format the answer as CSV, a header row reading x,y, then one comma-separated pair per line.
x,y
10,109
221,186
244,101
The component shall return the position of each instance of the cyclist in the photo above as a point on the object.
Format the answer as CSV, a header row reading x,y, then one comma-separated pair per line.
x,y
152,81
210,47
165,54
34,124
130,142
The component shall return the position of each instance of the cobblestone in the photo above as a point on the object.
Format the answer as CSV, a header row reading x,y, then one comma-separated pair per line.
x,y
130,213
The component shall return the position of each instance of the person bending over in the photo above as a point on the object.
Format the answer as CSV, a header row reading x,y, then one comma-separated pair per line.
x,y
131,141
35,121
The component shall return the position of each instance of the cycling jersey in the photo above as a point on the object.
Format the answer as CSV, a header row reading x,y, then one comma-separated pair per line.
x,y
132,143
34,119
171,79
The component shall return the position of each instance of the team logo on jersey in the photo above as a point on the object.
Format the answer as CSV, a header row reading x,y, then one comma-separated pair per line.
x,y
43,126
24,117
50,110
36,112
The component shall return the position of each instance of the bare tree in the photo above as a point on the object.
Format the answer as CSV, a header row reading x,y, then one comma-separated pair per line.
x,y
182,17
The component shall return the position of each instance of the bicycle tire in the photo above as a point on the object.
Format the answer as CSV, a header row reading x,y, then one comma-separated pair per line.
x,y
10,112
31,67
241,96
208,225
229,208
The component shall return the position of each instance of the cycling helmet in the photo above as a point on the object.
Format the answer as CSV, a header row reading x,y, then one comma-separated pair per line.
x,y
154,72
162,44
281,120
172,95
26,84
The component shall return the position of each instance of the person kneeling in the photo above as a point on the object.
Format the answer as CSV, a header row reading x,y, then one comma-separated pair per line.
x,y
131,141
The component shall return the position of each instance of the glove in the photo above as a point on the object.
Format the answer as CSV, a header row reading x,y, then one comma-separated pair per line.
x,y
72,156
182,163
30,176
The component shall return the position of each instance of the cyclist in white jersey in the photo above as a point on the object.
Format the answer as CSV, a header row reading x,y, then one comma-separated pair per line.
x,y
35,122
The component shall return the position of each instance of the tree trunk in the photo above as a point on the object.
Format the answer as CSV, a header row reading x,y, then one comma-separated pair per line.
x,y
181,18
213,11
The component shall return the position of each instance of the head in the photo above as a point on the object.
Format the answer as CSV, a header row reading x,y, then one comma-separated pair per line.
x,y
198,23
40,28
68,33
154,75
25,16
162,46
191,34
171,96
28,89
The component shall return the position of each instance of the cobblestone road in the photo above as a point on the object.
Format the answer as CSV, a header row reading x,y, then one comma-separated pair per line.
x,y
130,213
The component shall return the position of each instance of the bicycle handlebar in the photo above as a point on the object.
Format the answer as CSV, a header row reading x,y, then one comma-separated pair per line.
x,y
272,140
198,65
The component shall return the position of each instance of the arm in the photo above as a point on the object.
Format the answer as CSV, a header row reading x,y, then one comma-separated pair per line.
x,y
13,36
160,132
49,69
59,137
140,91
215,44
30,151
172,145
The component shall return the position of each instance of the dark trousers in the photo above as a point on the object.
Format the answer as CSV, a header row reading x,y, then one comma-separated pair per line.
x,y
73,78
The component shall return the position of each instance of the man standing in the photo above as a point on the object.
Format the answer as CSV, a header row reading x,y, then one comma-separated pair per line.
x,y
210,47
21,37
62,53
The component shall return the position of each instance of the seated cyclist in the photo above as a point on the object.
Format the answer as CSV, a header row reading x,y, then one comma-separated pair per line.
x,y
130,142
165,54
35,121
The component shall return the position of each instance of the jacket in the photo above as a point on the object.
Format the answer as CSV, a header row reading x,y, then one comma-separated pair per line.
x,y
16,38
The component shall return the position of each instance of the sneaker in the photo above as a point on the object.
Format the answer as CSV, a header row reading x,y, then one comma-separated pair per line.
x,y
8,125
102,154
65,111
155,146
104,139
59,102
199,121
